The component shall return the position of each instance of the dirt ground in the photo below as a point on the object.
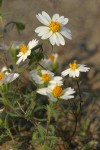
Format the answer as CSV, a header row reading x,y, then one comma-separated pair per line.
x,y
84,22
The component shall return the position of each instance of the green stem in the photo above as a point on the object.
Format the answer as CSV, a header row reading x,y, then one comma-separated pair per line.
x,y
79,92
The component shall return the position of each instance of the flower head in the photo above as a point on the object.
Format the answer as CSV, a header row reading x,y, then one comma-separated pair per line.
x,y
25,51
75,69
56,92
43,77
53,28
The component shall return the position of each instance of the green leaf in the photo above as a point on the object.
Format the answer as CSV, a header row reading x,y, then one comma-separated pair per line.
x,y
37,47
35,57
20,25
51,127
41,131
35,135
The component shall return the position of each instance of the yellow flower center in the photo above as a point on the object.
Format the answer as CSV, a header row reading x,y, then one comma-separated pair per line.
x,y
57,91
23,48
55,26
73,66
46,77
1,75
51,57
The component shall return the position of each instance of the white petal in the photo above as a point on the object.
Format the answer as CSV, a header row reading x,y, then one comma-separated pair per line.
x,y
73,73
34,76
32,43
65,72
48,72
42,19
24,57
63,20
10,77
42,91
56,38
41,28
47,34
20,54
67,94
66,32
19,60
52,41
28,52
51,86
43,31
57,78
68,91
52,98
61,39
82,68
44,71
4,69
77,72
67,97
46,16
55,17
15,76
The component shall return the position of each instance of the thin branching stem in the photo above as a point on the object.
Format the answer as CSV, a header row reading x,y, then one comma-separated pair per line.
x,y
42,66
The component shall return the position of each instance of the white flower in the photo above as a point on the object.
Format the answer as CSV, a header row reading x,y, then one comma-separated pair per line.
x,y
7,77
25,51
43,77
53,28
55,92
74,70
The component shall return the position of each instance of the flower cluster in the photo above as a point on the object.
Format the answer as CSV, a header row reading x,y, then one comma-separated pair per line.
x,y
53,29
53,85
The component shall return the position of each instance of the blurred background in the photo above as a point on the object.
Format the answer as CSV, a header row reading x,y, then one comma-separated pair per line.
x,y
84,22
